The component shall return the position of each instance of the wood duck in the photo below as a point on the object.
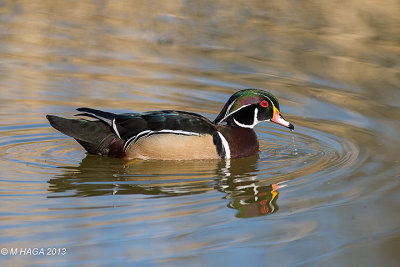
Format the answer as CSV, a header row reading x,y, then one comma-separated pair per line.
x,y
175,135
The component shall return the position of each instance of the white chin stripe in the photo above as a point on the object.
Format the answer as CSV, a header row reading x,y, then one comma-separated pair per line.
x,y
255,121
225,145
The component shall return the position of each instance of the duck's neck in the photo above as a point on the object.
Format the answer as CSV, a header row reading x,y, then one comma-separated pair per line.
x,y
242,142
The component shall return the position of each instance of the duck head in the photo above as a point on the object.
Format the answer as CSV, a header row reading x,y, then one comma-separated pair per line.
x,y
246,108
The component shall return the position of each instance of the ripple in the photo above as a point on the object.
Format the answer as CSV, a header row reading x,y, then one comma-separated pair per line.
x,y
292,163
305,152
313,165
34,147
287,162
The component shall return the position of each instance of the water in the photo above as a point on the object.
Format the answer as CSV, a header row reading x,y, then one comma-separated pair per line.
x,y
325,194
294,148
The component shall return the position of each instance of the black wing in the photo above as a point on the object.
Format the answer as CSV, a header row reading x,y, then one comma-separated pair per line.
x,y
130,125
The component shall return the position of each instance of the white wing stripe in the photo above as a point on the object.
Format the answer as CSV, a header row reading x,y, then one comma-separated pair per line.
x,y
146,133
114,126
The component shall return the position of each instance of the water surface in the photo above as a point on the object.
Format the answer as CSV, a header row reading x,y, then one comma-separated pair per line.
x,y
327,193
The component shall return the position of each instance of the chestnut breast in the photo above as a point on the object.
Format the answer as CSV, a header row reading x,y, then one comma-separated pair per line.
x,y
242,142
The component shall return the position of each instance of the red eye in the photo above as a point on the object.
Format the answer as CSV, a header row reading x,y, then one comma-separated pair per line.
x,y
264,103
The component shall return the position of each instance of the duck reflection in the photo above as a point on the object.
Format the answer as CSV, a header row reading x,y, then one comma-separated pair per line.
x,y
249,196
235,178
101,176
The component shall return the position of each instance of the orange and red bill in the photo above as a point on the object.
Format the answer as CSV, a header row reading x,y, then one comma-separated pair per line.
x,y
277,118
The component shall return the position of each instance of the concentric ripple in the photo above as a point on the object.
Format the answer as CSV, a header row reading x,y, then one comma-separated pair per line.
x,y
33,146
306,152
288,163
304,158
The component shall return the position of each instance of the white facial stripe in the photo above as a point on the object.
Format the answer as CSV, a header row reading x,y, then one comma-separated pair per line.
x,y
227,110
266,97
227,114
146,133
255,121
225,145
242,125
255,117
229,107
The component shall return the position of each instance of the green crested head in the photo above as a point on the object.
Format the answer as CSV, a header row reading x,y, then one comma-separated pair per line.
x,y
248,107
251,96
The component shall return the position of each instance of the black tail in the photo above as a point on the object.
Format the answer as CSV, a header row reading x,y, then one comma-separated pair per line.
x,y
95,136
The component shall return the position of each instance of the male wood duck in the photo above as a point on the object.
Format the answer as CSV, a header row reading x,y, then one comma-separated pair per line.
x,y
175,135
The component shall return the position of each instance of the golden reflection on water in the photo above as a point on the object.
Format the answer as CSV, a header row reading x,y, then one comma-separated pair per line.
x,y
111,42
236,179
334,67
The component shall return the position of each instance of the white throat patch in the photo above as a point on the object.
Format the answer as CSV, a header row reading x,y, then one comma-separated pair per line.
x,y
255,121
